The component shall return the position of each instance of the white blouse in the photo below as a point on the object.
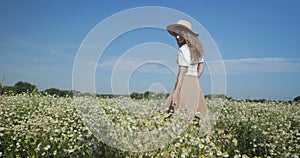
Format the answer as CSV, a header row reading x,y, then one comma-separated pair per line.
x,y
184,59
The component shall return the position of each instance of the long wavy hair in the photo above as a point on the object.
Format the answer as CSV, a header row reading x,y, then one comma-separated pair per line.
x,y
193,42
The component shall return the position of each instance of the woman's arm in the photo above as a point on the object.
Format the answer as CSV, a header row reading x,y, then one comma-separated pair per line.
x,y
200,69
178,84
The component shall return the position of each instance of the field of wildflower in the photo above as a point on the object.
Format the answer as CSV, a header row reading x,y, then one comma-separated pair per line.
x,y
33,125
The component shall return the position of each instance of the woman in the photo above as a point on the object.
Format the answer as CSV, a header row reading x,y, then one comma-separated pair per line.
x,y
187,93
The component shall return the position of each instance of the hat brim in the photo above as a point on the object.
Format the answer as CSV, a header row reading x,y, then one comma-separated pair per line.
x,y
172,29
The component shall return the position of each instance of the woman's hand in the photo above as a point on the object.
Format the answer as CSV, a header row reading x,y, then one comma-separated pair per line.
x,y
179,80
174,102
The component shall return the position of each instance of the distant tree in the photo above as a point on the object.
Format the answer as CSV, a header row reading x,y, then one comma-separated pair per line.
x,y
147,94
68,93
58,92
297,99
21,87
105,95
218,96
52,91
136,95
7,90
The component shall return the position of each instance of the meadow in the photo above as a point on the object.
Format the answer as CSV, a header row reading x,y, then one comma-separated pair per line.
x,y
34,125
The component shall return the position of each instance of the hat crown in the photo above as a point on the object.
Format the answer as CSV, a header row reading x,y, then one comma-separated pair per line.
x,y
185,23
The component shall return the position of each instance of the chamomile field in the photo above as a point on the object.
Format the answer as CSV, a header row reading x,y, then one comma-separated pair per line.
x,y
33,125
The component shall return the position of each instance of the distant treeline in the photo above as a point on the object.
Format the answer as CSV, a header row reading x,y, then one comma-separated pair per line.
x,y
25,87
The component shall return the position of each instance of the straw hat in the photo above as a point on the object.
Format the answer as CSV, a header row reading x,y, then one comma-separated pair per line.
x,y
180,25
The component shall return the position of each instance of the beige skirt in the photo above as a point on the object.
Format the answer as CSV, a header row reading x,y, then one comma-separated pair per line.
x,y
191,97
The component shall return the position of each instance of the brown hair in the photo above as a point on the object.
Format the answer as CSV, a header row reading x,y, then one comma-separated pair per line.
x,y
193,43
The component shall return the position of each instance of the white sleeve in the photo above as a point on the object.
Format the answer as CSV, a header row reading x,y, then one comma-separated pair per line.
x,y
201,61
183,59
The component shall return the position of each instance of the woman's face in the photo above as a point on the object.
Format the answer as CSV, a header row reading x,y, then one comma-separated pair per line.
x,y
180,40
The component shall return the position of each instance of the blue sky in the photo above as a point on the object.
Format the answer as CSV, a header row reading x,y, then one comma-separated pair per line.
x,y
258,41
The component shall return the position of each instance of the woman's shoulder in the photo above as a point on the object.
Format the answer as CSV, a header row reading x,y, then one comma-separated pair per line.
x,y
184,48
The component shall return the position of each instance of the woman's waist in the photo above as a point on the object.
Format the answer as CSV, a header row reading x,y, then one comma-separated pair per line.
x,y
191,72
